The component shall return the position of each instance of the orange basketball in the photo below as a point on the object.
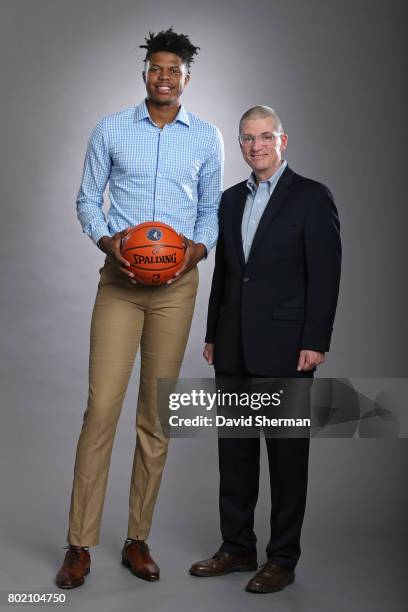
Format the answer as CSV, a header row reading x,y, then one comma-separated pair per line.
x,y
155,252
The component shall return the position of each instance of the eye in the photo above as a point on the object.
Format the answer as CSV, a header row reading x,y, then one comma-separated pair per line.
x,y
175,71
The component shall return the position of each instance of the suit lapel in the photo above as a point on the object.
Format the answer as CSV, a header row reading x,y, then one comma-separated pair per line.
x,y
275,203
237,213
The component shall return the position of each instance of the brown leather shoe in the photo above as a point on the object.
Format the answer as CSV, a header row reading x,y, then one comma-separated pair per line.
x,y
223,563
136,556
270,578
76,566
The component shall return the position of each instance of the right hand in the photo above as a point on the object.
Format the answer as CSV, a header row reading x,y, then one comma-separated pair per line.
x,y
208,353
111,246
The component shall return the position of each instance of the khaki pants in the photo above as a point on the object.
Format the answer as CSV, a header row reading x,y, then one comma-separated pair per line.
x,y
124,317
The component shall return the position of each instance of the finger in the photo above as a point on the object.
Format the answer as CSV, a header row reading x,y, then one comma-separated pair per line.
x,y
126,272
117,250
118,255
301,362
187,242
188,249
186,265
120,235
173,280
179,274
184,269
183,238
308,366
181,271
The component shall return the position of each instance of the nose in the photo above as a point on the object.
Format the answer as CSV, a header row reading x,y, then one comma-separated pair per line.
x,y
164,76
257,144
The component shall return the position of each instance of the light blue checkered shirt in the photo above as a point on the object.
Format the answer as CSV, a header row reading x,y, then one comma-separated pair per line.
x,y
257,199
173,175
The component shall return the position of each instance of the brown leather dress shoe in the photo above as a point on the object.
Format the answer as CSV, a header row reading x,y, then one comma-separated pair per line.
x,y
136,556
270,578
223,563
76,566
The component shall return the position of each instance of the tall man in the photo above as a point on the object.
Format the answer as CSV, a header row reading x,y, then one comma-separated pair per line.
x,y
271,311
163,164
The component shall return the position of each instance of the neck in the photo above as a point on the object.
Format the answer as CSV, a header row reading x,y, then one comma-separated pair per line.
x,y
267,174
162,114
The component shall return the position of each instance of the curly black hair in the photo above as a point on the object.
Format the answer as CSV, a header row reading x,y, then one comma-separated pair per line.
x,y
168,40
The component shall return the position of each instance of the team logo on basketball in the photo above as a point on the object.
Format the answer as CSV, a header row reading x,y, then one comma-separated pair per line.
x,y
154,234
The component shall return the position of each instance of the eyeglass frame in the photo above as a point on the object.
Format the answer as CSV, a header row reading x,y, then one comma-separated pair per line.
x,y
265,142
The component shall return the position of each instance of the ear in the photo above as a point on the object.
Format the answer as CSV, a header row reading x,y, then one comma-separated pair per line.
x,y
284,141
187,78
144,76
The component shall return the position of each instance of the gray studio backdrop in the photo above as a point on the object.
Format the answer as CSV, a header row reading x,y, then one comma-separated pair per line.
x,y
335,72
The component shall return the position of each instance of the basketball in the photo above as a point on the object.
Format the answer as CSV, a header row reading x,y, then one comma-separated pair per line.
x,y
154,251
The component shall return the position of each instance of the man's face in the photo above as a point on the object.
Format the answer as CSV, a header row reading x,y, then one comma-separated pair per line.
x,y
262,152
165,78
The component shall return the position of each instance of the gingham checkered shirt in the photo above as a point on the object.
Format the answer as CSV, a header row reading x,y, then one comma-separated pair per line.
x,y
173,175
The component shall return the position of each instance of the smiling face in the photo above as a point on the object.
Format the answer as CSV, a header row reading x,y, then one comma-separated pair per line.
x,y
165,78
262,152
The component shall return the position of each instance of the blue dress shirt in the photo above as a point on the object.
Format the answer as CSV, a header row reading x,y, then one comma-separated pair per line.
x,y
257,199
171,174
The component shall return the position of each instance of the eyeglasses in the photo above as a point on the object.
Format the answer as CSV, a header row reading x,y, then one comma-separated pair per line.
x,y
266,138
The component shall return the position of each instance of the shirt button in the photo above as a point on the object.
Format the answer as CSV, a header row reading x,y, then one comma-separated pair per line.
x,y
246,279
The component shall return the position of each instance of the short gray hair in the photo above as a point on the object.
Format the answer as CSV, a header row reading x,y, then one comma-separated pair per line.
x,y
260,112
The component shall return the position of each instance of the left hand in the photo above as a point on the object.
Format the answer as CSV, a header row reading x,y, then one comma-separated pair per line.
x,y
309,360
195,251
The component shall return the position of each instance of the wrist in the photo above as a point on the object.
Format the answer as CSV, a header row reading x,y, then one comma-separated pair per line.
x,y
201,250
101,244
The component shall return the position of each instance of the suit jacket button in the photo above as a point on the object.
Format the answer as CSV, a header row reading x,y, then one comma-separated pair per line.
x,y
246,279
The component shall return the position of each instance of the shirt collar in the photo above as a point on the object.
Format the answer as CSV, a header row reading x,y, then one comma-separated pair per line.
x,y
271,181
142,112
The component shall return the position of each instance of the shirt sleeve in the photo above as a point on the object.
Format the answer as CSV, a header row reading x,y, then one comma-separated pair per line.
x,y
209,194
96,172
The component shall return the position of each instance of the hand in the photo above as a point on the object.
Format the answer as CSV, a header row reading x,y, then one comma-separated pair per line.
x,y
309,360
208,353
195,251
111,246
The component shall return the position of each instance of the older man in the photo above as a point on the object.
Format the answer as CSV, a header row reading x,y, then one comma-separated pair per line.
x,y
271,311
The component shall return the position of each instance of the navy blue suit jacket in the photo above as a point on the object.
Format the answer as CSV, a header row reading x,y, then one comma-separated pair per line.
x,y
284,297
